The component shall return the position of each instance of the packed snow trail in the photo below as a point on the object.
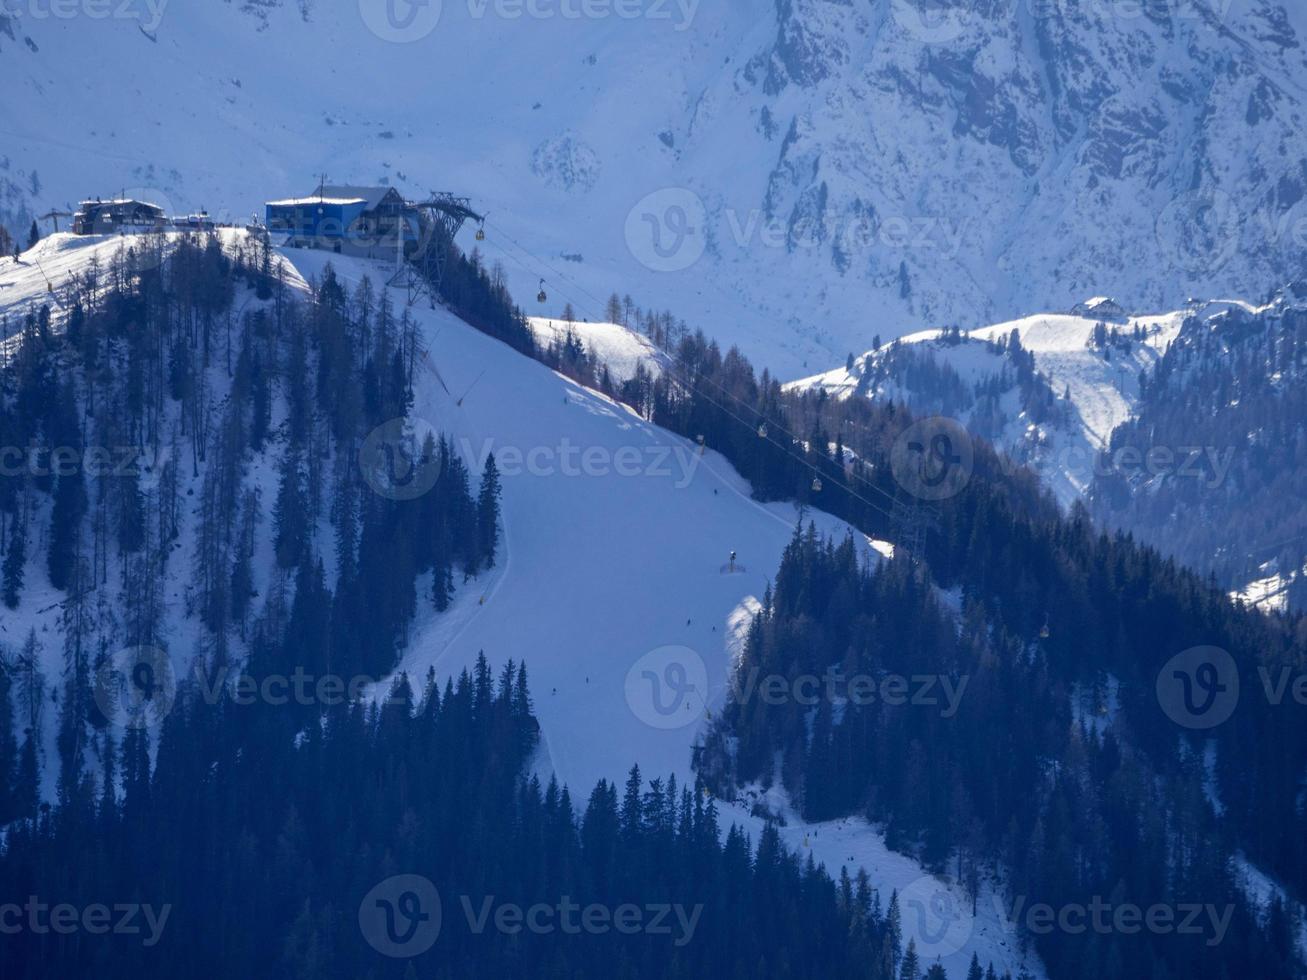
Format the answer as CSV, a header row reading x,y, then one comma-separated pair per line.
x,y
616,535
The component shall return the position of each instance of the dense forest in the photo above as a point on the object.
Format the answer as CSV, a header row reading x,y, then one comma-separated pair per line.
x,y
1229,403
913,375
246,406
1028,783
1058,624
159,375
242,882
1059,778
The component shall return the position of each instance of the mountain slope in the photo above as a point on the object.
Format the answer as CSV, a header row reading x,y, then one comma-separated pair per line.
x,y
600,568
616,545
1178,427
794,175
1060,421
1230,388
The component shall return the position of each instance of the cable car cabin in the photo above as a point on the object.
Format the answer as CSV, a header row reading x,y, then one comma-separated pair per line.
x,y
118,217
366,221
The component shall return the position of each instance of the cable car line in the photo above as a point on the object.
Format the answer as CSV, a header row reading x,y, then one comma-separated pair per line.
x,y
672,371
744,405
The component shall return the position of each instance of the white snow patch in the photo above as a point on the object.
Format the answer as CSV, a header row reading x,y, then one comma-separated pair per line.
x,y
611,344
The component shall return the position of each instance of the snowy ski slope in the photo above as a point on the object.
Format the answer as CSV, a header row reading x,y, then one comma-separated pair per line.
x,y
616,534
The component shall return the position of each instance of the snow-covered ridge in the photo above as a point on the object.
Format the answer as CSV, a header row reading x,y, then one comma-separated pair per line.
x,y
1099,387
43,275
1074,423
612,345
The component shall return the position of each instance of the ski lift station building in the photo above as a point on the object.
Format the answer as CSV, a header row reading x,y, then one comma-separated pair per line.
x,y
118,216
350,219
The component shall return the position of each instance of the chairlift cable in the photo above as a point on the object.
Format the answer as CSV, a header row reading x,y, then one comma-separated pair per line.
x,y
744,406
673,373
459,403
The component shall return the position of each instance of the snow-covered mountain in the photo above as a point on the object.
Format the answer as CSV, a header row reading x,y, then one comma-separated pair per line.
x,y
614,564
1056,422
793,175
1182,427
1228,499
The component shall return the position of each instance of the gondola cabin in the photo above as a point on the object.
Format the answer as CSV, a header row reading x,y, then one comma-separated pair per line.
x,y
118,217
355,220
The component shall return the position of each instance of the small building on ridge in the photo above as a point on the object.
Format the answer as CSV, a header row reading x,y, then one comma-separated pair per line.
x,y
344,218
119,216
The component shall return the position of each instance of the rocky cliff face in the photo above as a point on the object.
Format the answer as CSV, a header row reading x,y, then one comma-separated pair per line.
x,y
828,169
1037,151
